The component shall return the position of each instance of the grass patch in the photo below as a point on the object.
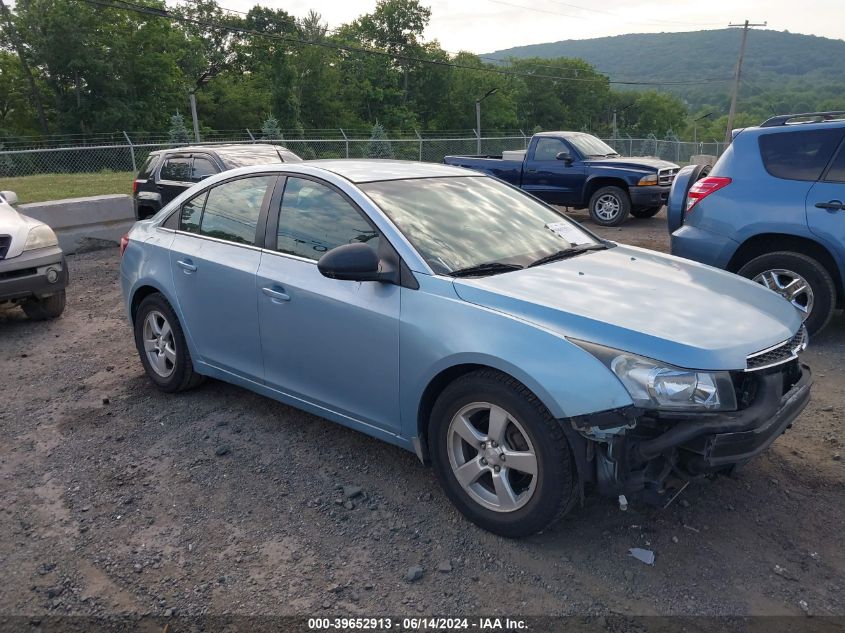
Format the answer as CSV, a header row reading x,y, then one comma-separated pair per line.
x,y
43,187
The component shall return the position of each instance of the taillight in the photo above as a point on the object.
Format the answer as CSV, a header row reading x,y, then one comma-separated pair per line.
x,y
704,188
134,186
124,242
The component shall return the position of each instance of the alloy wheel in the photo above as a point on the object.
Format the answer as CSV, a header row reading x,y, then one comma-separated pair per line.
x,y
159,345
607,207
492,457
791,286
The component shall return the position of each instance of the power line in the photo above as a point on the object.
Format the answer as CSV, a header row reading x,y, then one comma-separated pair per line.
x,y
126,5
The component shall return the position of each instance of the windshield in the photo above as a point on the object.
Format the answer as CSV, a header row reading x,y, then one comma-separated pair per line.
x,y
588,145
461,222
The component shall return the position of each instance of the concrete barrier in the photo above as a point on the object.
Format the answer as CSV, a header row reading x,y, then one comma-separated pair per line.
x,y
77,219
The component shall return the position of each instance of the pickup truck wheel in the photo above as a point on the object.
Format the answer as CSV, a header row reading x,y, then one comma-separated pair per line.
x,y
47,308
500,456
645,212
801,280
609,206
162,347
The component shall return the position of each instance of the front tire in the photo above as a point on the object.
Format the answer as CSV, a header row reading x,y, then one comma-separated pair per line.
x,y
609,206
801,280
162,347
500,456
47,308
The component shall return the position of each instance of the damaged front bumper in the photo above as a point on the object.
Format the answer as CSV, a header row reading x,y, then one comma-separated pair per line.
x,y
632,450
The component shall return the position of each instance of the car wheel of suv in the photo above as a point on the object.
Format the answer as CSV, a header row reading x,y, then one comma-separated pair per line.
x,y
645,212
161,345
801,280
609,206
47,308
501,457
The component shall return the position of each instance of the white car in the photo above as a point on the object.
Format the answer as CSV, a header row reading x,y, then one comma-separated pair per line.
x,y
33,271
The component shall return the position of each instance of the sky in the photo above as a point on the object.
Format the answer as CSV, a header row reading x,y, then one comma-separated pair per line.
x,y
483,26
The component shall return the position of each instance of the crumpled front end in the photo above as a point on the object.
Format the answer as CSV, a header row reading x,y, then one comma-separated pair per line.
x,y
652,452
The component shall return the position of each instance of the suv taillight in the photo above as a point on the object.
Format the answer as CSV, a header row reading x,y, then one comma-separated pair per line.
x,y
124,242
703,188
134,186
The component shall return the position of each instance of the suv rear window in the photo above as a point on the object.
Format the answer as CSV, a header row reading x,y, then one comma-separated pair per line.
x,y
147,167
799,155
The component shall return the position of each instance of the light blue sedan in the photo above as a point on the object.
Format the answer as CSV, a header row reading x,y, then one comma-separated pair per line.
x,y
446,312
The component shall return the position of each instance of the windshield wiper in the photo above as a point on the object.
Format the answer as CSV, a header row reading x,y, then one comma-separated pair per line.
x,y
569,252
488,268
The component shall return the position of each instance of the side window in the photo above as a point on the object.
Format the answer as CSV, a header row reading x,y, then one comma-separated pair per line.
x,y
232,209
314,218
799,155
178,169
549,148
203,168
837,169
191,213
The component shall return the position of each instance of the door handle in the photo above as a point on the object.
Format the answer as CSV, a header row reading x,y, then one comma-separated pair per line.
x,y
187,265
276,296
531,171
160,187
833,205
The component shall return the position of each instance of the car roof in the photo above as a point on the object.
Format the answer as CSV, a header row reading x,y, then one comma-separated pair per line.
x,y
228,148
377,169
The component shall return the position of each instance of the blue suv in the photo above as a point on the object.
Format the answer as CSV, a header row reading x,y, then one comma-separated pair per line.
x,y
772,209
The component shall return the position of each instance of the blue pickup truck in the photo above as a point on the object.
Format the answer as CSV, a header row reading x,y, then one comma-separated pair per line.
x,y
578,170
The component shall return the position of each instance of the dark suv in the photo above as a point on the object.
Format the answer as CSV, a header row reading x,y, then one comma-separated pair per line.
x,y
773,210
168,172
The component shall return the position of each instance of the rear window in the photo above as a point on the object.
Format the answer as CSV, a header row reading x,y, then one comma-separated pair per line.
x,y
837,169
147,167
799,155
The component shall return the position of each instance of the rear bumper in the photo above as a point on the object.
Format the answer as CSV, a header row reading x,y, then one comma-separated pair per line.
x,y
662,447
705,247
38,273
654,196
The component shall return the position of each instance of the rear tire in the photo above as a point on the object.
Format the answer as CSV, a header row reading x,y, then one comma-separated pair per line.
x,y
162,347
510,434
778,270
609,206
47,308
645,212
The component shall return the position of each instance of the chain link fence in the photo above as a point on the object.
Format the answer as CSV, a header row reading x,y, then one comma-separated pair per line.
x,y
110,167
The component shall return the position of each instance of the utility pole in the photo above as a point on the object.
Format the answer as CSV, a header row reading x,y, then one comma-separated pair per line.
x,y
737,74
194,115
478,118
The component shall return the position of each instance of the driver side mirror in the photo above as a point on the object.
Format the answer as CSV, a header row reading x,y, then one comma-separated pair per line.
x,y
354,262
566,157
9,196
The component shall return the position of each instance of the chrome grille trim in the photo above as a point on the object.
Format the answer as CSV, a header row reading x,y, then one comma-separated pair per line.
x,y
667,175
778,354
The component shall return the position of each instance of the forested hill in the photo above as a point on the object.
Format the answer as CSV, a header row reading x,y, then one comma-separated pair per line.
x,y
775,61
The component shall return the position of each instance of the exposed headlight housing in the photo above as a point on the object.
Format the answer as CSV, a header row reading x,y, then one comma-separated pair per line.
x,y
646,181
40,236
656,385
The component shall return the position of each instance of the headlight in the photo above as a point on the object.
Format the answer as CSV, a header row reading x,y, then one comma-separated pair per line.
x,y
656,385
40,236
648,180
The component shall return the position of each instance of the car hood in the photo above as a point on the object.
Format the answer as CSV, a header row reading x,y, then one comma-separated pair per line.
x,y
640,301
649,164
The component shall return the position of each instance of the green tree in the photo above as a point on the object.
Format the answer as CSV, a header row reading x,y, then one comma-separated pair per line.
x,y
178,132
379,146
270,129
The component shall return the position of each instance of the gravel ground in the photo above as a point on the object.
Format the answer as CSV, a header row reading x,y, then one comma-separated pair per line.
x,y
119,499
